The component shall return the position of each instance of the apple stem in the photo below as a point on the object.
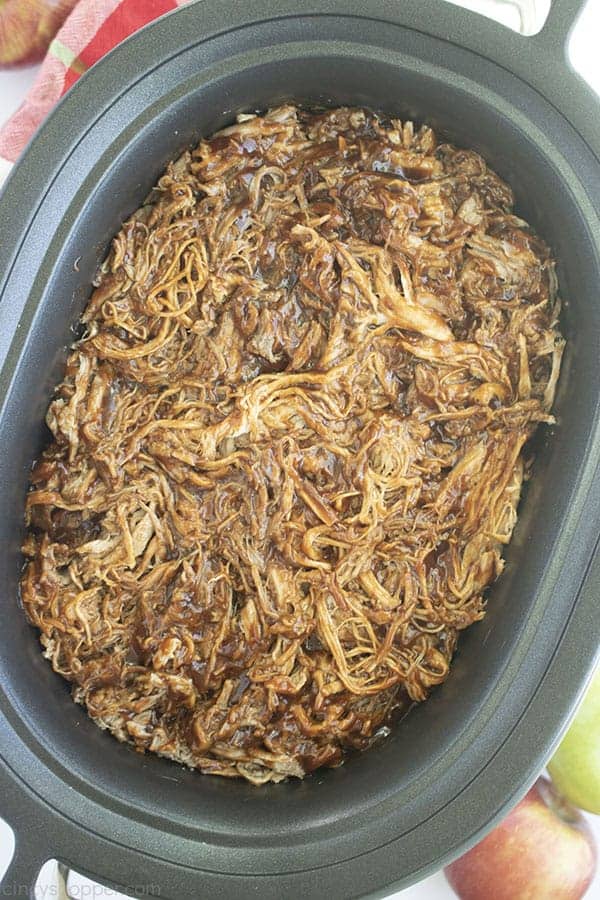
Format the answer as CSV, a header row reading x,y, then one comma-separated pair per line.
x,y
557,803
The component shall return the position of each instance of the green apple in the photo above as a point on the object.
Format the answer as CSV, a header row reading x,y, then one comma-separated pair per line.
x,y
575,767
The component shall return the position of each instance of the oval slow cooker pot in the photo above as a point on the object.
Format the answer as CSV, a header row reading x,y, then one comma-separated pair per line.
x,y
453,766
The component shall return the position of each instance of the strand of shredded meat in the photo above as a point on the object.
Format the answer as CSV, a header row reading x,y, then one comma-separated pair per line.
x,y
288,450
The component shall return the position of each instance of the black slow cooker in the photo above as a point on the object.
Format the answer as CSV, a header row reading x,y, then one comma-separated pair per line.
x,y
455,764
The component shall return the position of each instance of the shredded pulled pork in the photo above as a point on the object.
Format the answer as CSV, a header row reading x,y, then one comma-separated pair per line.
x,y
288,449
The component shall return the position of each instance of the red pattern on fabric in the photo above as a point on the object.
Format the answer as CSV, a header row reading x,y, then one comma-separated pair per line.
x,y
70,77
92,29
129,16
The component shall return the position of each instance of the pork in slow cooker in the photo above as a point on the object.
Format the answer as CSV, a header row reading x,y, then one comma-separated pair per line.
x,y
288,450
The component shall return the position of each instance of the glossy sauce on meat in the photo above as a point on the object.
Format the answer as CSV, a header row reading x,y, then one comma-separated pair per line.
x,y
289,448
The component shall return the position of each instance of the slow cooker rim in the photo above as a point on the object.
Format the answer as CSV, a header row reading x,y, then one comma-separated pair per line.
x,y
557,648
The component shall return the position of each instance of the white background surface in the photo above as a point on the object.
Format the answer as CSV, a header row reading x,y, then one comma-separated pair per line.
x,y
585,58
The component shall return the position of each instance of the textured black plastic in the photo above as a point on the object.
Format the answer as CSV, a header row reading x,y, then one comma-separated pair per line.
x,y
453,766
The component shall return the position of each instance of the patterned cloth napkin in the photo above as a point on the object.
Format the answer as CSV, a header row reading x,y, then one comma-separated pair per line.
x,y
92,29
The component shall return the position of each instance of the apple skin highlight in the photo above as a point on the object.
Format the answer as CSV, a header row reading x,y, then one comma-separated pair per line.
x,y
27,27
543,850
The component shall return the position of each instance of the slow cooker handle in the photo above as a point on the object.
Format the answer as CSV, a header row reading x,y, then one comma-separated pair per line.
x,y
22,873
549,48
541,60
506,43
32,834
561,18
560,22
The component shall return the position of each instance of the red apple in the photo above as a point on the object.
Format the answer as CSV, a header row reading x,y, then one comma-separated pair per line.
x,y
543,850
28,26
